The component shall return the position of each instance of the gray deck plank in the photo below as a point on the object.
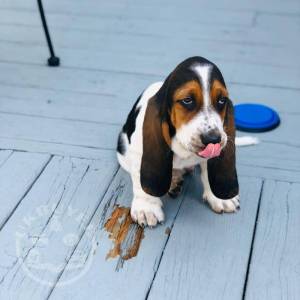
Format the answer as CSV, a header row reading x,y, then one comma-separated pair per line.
x,y
115,278
89,107
57,149
86,18
67,98
275,268
92,112
49,223
91,39
270,6
207,255
99,108
93,140
284,157
249,41
139,46
144,58
282,100
256,171
104,136
66,132
16,176
274,22
83,80
74,79
4,155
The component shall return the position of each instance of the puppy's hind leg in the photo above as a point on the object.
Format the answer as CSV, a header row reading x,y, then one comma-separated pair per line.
x,y
177,182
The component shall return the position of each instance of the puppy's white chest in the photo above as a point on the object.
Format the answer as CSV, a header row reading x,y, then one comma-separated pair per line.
x,y
181,163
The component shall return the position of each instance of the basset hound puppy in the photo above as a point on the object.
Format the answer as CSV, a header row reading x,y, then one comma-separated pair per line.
x,y
186,120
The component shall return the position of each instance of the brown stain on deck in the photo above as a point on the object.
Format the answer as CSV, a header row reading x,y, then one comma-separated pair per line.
x,y
125,234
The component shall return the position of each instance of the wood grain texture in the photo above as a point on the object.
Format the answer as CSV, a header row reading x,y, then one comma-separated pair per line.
x,y
41,235
144,58
268,172
108,80
17,175
127,44
57,149
136,54
231,35
270,155
163,15
96,112
75,79
87,19
275,266
270,6
207,254
116,278
66,132
100,107
249,169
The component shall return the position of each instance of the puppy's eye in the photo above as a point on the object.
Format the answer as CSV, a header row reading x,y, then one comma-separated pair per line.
x,y
221,103
188,103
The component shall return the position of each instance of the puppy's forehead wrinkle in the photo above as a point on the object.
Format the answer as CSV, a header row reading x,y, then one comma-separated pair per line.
x,y
203,72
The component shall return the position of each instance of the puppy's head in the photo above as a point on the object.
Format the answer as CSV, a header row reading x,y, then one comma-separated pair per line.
x,y
191,114
195,102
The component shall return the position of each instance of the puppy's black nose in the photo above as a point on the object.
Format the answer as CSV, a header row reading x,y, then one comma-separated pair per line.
x,y
211,137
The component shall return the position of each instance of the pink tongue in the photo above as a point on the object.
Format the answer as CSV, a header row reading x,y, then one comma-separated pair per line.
x,y
210,151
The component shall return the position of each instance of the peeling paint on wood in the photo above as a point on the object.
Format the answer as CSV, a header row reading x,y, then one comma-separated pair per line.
x,y
125,234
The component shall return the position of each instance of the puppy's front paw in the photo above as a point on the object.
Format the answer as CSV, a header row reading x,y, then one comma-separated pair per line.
x,y
219,205
147,211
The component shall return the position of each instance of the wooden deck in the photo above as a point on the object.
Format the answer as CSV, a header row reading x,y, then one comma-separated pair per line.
x,y
64,226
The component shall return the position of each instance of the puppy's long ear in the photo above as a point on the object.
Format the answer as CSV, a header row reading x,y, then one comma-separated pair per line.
x,y
221,170
157,159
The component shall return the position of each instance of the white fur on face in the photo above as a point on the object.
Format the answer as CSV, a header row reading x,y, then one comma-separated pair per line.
x,y
204,72
187,138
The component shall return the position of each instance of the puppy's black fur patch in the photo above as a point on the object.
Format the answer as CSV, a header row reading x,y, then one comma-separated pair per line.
x,y
221,170
129,126
120,147
157,159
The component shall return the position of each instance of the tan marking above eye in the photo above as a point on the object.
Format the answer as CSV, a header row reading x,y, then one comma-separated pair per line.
x,y
179,114
190,88
217,90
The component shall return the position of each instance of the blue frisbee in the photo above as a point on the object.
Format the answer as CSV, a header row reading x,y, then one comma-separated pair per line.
x,y
255,117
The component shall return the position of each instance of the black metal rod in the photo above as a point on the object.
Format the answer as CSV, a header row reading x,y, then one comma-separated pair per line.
x,y
53,60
